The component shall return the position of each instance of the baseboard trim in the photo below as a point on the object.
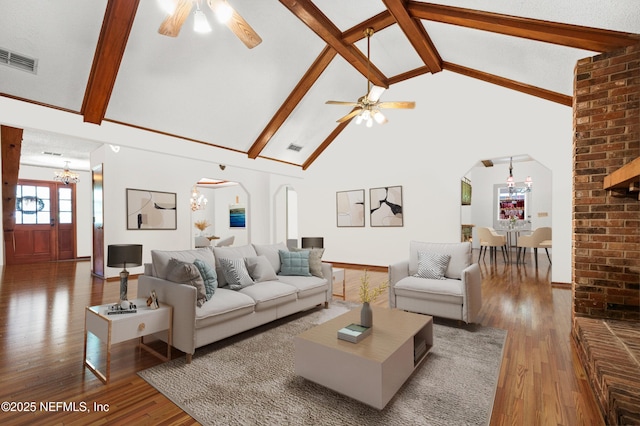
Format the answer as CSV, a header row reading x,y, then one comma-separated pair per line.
x,y
566,286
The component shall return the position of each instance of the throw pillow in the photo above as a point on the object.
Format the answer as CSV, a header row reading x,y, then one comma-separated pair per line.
x,y
315,260
187,273
260,269
271,251
294,263
208,275
432,265
236,274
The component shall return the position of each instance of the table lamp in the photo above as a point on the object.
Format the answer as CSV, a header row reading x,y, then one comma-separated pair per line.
x,y
124,255
312,242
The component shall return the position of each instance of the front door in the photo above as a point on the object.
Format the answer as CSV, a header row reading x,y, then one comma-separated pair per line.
x,y
45,223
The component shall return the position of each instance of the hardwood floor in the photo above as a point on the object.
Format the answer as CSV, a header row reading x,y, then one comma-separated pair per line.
x,y
42,335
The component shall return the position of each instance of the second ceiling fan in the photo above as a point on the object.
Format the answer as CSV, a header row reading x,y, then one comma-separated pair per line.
x,y
180,11
367,108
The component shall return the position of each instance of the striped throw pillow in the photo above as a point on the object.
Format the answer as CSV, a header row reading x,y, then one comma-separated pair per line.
x,y
236,274
432,265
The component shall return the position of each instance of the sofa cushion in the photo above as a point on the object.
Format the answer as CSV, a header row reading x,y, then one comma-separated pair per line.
x,y
235,273
209,276
226,305
270,293
260,269
307,286
187,273
432,265
239,252
315,260
448,290
160,259
294,263
271,251
460,256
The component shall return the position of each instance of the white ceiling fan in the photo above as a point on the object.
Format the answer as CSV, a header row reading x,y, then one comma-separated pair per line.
x,y
367,108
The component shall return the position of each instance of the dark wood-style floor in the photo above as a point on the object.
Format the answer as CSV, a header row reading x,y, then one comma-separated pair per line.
x,y
43,380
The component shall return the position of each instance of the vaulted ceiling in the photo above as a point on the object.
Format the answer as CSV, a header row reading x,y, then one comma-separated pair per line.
x,y
105,60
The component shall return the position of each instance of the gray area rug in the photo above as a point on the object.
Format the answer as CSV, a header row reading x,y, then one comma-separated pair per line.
x,y
249,380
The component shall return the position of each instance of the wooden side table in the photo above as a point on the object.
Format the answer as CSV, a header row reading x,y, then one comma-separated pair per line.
x,y
117,328
338,275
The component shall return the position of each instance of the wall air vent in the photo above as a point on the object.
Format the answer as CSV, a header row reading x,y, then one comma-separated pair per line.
x,y
16,60
294,147
55,154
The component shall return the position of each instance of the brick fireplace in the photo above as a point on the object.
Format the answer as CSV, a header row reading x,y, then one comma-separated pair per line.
x,y
606,230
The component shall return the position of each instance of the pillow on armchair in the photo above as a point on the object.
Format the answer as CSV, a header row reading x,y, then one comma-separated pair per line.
x,y
432,265
460,256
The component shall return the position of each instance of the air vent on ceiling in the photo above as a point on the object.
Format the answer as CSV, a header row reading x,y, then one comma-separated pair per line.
x,y
16,60
55,154
294,147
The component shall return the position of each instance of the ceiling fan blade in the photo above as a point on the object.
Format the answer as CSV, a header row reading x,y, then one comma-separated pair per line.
x,y
173,23
236,23
349,116
397,104
375,92
342,103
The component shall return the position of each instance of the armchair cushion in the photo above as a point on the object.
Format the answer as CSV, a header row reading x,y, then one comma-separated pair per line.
x,y
432,265
460,256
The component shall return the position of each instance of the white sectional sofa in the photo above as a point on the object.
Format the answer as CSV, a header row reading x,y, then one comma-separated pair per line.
x,y
228,312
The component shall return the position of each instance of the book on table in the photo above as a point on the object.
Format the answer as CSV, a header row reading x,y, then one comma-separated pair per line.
x,y
354,332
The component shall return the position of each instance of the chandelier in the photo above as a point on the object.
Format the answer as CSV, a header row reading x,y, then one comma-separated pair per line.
x,y
198,201
511,184
66,176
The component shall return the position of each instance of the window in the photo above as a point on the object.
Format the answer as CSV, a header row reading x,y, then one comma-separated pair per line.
x,y
33,205
65,210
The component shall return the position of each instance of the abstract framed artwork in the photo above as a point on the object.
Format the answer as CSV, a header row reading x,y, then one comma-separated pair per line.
x,y
350,208
153,210
237,216
465,196
386,206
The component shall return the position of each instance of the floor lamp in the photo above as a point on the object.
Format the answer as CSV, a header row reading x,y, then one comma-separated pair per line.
x,y
123,255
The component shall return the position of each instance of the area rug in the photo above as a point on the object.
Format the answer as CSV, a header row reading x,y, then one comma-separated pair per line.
x,y
249,380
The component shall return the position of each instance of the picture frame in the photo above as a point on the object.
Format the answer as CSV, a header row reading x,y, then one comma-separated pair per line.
x,y
237,216
350,208
465,192
385,206
151,210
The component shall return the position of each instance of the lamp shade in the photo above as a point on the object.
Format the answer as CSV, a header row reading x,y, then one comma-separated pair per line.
x,y
123,255
312,242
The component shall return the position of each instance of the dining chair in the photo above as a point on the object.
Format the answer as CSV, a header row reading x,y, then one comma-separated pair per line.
x,y
539,238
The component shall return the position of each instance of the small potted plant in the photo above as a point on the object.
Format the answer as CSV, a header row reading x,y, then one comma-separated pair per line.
x,y
201,225
368,295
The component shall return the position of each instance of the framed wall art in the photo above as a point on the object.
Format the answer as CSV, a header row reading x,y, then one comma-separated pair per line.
x,y
350,208
237,216
465,195
153,210
386,206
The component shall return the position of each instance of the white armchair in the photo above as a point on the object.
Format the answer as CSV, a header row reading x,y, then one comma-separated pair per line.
x,y
457,295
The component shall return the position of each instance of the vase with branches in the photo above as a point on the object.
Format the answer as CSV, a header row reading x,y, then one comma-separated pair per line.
x,y
367,296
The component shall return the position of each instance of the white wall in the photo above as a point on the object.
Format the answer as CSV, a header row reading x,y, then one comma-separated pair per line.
x,y
457,122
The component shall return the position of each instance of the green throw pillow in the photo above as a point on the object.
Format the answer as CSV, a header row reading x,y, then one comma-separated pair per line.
x,y
294,263
208,275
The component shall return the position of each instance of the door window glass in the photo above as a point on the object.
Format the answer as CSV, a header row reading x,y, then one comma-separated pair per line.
x,y
33,205
64,205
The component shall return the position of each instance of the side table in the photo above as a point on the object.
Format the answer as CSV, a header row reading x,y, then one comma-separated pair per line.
x,y
338,275
116,328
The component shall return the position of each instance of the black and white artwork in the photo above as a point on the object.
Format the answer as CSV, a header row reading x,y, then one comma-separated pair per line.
x,y
151,209
350,208
386,206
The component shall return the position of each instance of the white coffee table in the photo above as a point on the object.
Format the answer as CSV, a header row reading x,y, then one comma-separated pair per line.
x,y
372,370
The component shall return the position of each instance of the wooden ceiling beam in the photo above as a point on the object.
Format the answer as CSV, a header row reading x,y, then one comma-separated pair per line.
x,y
594,39
408,75
416,34
325,144
379,22
301,89
116,26
510,84
318,22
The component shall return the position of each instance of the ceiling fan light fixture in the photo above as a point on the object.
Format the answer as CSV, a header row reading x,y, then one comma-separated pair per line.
x,y
223,11
200,22
379,117
167,6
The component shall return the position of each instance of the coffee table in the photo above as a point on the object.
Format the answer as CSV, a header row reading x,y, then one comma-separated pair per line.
x,y
372,370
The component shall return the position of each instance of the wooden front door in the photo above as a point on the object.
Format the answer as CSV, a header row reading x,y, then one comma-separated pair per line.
x,y
45,223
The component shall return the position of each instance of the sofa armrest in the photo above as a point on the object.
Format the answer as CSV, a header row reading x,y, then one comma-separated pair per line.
x,y
183,299
327,271
397,271
472,284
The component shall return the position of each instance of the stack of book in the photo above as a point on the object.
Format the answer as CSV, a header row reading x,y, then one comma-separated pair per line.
x,y
419,349
117,309
354,333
